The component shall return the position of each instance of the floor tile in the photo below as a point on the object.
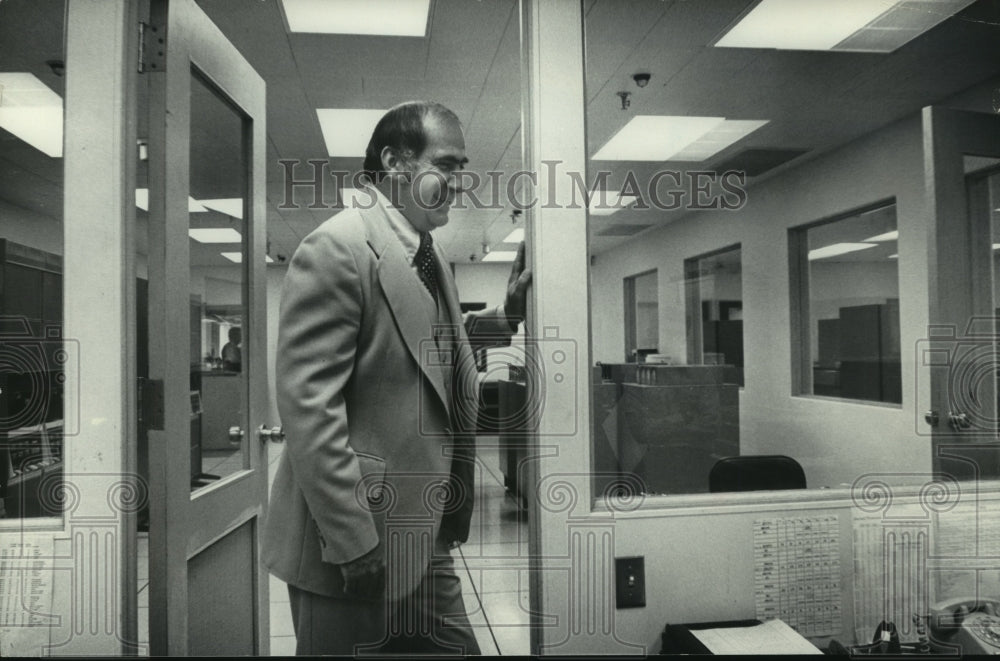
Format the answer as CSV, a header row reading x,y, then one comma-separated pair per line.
x,y
281,620
282,645
481,628
511,550
503,533
513,641
143,628
490,580
277,590
505,609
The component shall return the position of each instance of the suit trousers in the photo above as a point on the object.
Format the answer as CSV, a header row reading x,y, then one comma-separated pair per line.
x,y
432,620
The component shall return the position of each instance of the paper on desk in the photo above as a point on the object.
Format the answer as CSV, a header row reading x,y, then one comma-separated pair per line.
x,y
771,637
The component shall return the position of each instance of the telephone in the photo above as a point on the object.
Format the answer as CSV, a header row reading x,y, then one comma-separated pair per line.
x,y
972,624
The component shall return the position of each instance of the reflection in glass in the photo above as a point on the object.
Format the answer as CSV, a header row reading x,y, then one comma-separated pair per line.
x,y
851,337
714,286
218,242
642,328
32,348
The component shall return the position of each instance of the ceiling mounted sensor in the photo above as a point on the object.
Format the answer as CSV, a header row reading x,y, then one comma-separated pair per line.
x,y
641,79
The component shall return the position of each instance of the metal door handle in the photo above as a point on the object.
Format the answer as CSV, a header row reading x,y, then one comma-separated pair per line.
x,y
959,421
276,434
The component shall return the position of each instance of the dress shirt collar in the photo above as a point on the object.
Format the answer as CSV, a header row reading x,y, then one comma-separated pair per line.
x,y
408,236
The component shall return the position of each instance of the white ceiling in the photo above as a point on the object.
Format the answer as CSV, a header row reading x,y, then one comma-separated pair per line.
x,y
470,61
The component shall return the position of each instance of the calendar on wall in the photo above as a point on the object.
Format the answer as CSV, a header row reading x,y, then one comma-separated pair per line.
x,y
797,573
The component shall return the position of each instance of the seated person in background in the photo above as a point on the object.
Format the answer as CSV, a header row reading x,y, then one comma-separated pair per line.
x,y
232,357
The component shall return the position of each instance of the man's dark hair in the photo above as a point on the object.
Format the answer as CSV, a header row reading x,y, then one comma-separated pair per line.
x,y
402,128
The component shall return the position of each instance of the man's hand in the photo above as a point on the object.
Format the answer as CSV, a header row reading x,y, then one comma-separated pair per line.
x,y
517,289
365,576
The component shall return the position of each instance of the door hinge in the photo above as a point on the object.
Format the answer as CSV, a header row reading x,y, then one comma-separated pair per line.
x,y
152,47
152,406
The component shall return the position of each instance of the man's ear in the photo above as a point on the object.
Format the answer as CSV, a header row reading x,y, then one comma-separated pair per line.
x,y
394,164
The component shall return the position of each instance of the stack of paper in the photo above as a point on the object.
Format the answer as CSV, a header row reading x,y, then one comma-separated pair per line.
x,y
771,637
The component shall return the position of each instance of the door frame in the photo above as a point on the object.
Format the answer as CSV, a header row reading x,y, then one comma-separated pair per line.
x,y
961,310
88,555
181,524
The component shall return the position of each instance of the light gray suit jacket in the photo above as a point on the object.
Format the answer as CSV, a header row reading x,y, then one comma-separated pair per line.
x,y
373,410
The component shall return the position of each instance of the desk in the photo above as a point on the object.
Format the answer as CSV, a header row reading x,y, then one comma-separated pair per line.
x,y
735,637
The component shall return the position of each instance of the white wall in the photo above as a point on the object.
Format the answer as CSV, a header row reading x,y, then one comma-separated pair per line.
x,y
30,228
834,440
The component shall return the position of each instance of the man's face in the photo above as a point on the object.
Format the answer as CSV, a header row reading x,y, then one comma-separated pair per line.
x,y
432,188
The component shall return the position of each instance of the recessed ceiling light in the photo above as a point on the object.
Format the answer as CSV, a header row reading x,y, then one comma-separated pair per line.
x,y
888,236
142,201
238,257
655,137
727,133
500,256
232,206
517,236
347,130
838,249
602,207
879,26
894,256
215,235
996,246
394,18
32,112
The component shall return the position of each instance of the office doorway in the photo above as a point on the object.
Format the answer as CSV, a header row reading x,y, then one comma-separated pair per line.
x,y
200,196
962,160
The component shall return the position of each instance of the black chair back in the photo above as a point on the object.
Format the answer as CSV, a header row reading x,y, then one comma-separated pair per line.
x,y
760,472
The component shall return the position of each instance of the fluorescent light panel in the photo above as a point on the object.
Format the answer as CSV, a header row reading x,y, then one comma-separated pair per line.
x,y
32,112
347,130
728,133
500,256
673,137
879,26
238,257
215,235
142,201
838,249
394,18
597,207
655,137
517,236
230,206
888,236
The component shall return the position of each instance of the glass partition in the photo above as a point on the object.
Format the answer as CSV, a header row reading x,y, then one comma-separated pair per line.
x,y
218,243
777,188
33,351
848,289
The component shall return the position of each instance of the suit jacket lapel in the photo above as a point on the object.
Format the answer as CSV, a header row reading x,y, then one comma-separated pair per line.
x,y
406,295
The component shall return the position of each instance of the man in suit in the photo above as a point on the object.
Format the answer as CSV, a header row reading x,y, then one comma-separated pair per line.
x,y
378,395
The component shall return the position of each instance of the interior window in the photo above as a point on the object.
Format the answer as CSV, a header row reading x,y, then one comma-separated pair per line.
x,y
33,351
848,306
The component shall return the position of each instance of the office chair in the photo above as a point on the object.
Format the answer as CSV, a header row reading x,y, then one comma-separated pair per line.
x,y
756,473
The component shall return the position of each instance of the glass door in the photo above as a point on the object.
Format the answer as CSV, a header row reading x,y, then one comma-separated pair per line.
x,y
962,162
207,369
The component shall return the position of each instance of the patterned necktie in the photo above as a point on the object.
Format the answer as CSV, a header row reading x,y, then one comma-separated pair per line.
x,y
426,264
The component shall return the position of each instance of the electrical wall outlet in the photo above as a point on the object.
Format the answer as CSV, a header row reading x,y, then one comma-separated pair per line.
x,y
630,582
